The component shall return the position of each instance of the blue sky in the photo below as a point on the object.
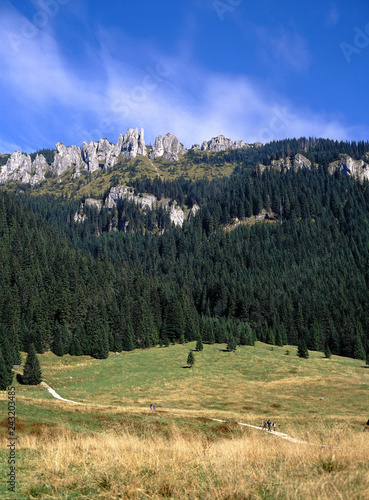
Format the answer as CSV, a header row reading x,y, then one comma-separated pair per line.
x,y
76,70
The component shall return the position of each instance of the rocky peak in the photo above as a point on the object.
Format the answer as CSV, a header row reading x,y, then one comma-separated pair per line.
x,y
169,147
67,156
17,168
131,144
221,143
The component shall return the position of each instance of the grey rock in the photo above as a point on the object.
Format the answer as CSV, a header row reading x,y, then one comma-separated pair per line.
x,y
347,165
221,143
131,144
192,213
119,192
17,168
66,157
168,147
176,214
301,161
39,169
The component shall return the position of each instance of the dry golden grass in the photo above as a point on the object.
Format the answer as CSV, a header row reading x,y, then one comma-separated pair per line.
x,y
120,464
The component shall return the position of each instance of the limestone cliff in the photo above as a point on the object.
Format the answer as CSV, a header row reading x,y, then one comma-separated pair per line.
x,y
168,147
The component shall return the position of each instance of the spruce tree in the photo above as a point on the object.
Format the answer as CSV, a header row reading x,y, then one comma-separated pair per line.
x,y
190,359
231,345
199,346
302,350
32,370
327,351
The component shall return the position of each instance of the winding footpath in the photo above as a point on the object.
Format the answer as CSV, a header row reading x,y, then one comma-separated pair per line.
x,y
272,433
56,395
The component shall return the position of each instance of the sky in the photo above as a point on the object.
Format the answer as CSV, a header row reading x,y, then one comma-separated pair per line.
x,y
257,70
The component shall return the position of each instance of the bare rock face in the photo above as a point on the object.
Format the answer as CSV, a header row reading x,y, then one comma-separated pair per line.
x,y
20,168
100,154
39,169
119,192
17,168
192,213
169,147
221,143
176,214
346,165
66,157
131,144
89,155
301,162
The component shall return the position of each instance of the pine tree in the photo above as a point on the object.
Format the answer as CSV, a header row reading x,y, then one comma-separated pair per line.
x,y
302,350
327,351
231,345
199,346
32,370
190,359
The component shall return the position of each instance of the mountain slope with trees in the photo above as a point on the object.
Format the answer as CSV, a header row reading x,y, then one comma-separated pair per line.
x,y
300,276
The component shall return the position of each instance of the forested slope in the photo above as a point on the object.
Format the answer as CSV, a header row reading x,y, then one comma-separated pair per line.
x,y
84,288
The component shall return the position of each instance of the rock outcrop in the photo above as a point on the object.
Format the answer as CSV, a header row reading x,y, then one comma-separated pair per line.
x,y
66,157
346,165
192,213
131,144
299,161
119,192
20,168
168,147
144,201
221,143
176,214
39,169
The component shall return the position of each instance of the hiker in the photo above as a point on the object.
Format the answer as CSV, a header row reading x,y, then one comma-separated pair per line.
x,y
274,425
263,425
154,407
269,424
150,407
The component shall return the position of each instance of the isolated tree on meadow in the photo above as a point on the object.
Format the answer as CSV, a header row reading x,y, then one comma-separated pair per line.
x,y
302,350
199,346
190,359
232,344
327,351
32,370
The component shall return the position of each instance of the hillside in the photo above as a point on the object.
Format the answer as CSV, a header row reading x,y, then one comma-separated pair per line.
x,y
151,263
115,446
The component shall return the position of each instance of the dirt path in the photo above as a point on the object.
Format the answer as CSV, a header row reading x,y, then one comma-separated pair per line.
x,y
56,395
272,433
156,170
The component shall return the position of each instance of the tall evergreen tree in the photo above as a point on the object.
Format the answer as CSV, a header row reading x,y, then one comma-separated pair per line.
x,y
32,370
190,359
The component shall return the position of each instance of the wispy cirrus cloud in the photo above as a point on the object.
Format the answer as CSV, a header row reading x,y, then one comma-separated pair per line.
x,y
45,99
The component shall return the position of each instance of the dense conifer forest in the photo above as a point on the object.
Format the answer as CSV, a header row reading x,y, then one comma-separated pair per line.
x,y
126,278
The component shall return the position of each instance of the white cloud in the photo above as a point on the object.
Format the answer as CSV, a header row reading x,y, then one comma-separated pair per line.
x,y
156,92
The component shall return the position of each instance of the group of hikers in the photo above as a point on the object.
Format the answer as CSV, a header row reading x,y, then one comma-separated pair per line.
x,y
269,424
153,407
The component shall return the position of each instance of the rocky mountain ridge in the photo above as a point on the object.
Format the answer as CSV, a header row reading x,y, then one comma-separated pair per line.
x,y
102,155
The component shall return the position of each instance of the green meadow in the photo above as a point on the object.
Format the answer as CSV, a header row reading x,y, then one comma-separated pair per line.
x,y
326,398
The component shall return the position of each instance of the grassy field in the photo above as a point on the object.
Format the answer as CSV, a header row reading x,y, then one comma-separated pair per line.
x,y
115,447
